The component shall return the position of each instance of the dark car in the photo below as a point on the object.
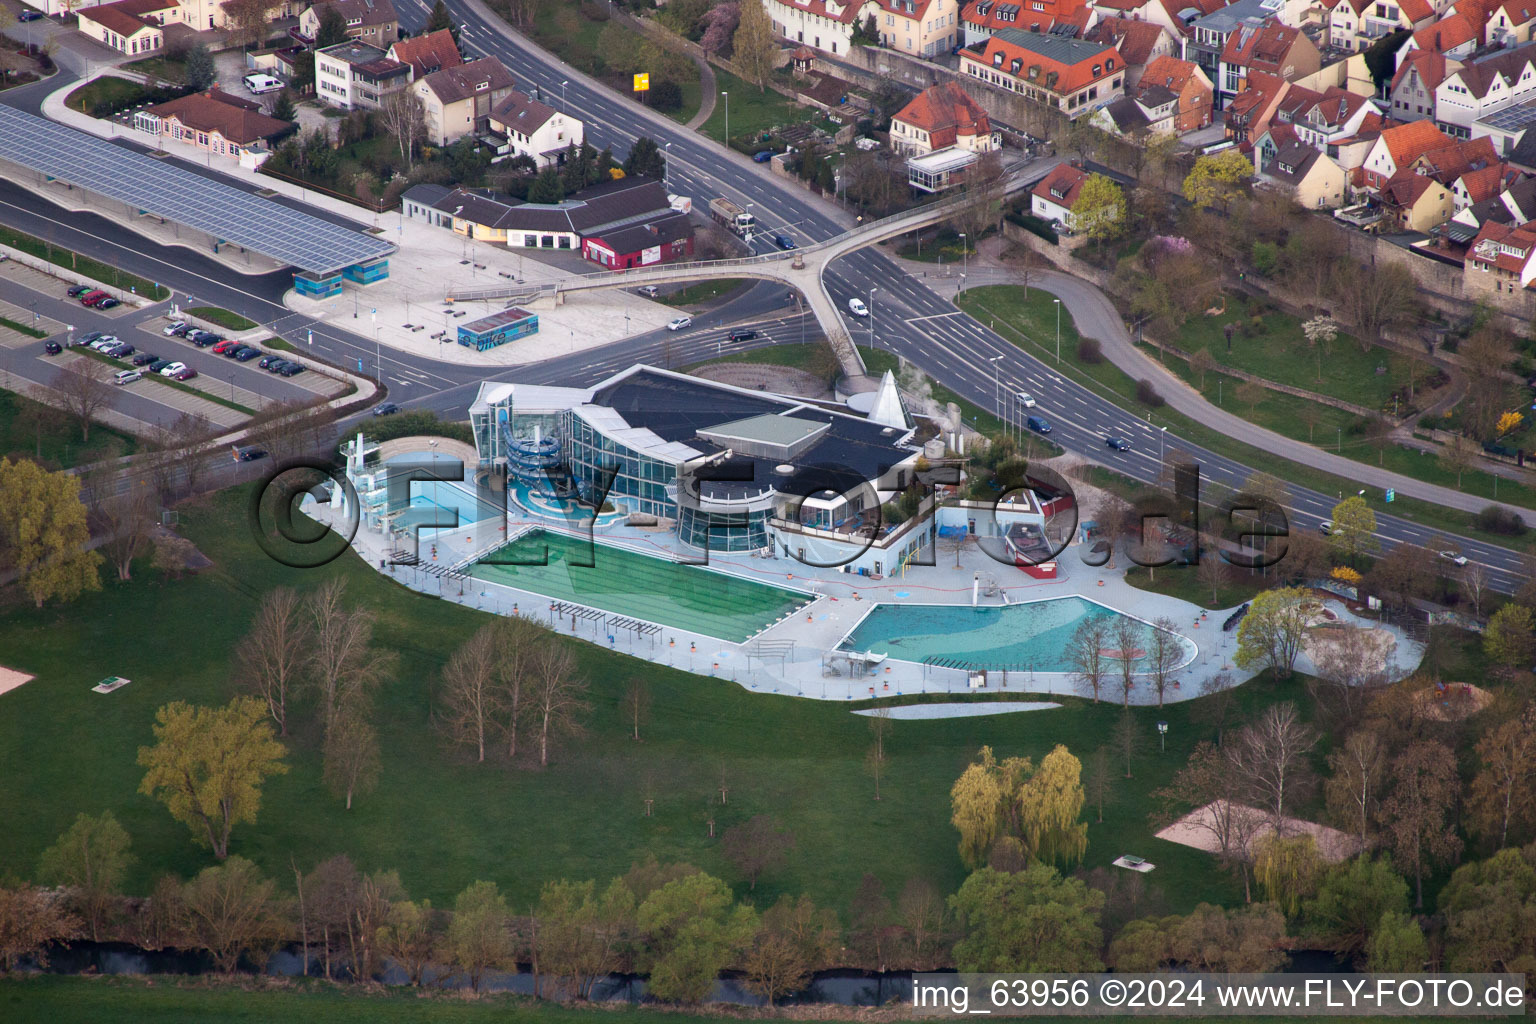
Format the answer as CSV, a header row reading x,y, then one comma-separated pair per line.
x,y
183,331
108,303
289,369
202,339
762,156
267,361
186,373
145,358
246,354
232,351
122,350
276,365
387,409
1038,425
249,453
27,14
77,290
53,348
86,339
158,365
783,241
741,335
1119,444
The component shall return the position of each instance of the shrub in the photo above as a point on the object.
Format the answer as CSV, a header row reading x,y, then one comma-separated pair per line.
x,y
666,95
1146,394
1257,324
1089,350
1495,519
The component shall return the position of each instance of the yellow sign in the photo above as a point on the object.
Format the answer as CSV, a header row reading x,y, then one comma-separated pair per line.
x,y
642,82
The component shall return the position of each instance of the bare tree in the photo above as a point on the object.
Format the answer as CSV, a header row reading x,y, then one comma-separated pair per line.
x,y
1269,757
1218,698
126,519
247,20
83,390
404,118
556,699
757,845
1209,783
344,665
471,695
517,640
1085,653
272,655
879,728
1125,738
351,754
1355,781
1097,780
1474,577
1350,671
1163,654
1126,635
921,911
1212,571
637,703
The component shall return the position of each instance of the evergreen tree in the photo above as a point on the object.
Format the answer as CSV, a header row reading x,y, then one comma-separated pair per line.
x,y
332,29
546,188
440,19
200,71
646,159
282,107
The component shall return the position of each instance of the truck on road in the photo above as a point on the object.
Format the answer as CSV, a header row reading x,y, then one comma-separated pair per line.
x,y
732,216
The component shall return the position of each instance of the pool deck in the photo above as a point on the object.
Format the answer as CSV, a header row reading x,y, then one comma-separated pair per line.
x,y
842,600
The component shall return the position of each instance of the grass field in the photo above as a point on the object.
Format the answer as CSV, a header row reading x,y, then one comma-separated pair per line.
x,y
444,822
21,328
27,428
704,291
95,270
1023,323
752,111
222,317
105,88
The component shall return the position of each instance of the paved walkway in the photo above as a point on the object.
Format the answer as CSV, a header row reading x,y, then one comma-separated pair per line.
x,y
708,94
1096,317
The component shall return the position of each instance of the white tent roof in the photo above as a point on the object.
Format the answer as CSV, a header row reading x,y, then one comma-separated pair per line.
x,y
887,410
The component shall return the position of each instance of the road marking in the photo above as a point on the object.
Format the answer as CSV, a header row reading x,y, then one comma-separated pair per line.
x,y
932,316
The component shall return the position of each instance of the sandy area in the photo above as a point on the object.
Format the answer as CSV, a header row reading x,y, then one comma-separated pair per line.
x,y
10,679
1188,831
1379,643
1458,701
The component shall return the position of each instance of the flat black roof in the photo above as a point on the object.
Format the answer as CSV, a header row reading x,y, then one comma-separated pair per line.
x,y
161,188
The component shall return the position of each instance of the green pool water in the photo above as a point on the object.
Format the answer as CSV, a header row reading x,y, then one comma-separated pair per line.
x,y
686,597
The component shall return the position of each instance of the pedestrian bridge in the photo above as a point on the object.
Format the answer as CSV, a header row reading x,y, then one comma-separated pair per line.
x,y
801,269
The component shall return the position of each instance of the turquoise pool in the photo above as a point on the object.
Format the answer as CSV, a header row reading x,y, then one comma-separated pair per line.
x,y
1030,636
438,501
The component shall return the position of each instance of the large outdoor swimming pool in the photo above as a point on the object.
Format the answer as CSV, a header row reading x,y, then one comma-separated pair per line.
x,y
687,597
1031,636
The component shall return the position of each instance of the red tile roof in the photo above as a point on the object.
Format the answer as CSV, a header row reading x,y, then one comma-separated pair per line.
x,y
1487,249
428,53
1408,142
946,112
1447,163
239,121
1134,39
990,17
848,15
1171,73
1449,33
1404,188
1264,49
1486,182
125,17
1416,10
1334,107
1062,186
1431,66
1518,11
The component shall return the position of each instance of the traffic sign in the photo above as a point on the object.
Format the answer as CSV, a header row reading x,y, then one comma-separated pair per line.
x,y
1391,493
642,81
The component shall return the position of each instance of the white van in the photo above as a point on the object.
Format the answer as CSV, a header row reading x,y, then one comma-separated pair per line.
x,y
127,376
260,84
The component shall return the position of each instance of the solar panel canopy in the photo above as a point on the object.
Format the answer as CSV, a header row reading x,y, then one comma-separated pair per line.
x,y
166,190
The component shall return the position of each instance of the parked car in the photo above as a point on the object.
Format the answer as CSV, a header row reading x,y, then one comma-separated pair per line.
x,y
88,337
741,334
224,346
260,84
1454,556
53,348
77,290
1038,424
290,369
104,342
387,409
126,376
173,329
276,365
184,331
185,373
245,353
202,339
267,360
108,303
1026,399
145,358
1325,527
172,369
249,453
121,350
92,297
762,156
648,290
158,365
28,14
857,307
783,241
677,323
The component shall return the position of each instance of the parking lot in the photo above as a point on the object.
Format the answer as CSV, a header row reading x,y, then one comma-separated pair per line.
x,y
225,391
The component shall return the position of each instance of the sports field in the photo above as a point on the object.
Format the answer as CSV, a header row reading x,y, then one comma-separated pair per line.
x,y
687,597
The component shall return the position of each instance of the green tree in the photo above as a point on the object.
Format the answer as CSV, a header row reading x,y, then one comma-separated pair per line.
x,y
478,939
1270,634
1217,179
231,910
1288,870
208,764
645,159
1143,945
199,71
546,188
440,19
407,937
1509,641
283,108
1490,914
1351,900
1051,802
693,928
755,47
1030,920
581,930
795,939
1242,940
1397,946
333,28
1354,527
44,532
1099,211
1038,809
89,860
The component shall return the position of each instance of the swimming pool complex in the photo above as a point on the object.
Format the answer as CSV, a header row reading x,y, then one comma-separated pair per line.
x,y
1032,636
688,597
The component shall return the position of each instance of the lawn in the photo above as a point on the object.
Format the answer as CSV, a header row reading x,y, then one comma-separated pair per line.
x,y
1181,581
702,292
444,822
938,247
222,317
752,111
1031,326
36,431
21,328
163,68
103,273
105,88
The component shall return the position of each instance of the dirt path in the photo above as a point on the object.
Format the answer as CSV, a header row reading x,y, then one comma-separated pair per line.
x,y
707,94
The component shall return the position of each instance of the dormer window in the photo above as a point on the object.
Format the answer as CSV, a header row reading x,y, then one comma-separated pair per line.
x,y
1110,63
482,86
1097,70
997,59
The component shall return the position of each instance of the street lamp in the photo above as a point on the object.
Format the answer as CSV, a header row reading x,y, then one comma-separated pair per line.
x,y
727,96
666,160
1162,439
997,392
1058,331
964,260
1162,736
562,92
872,317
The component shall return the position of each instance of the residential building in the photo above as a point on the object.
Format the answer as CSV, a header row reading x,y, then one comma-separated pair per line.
x,y
1415,202
1166,15
1070,74
129,26
1139,42
1326,118
1268,47
1248,114
458,101
921,28
1510,23
1188,83
1506,128
214,121
534,129
1055,197
371,21
1310,176
1483,86
1500,259
1480,184
357,76
1397,149
427,53
941,116
820,24
1457,35
1419,74
981,18
1208,34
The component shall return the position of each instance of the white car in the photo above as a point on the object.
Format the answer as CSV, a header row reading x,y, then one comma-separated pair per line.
x,y
1325,527
172,328
104,342
677,323
857,307
1454,556
1026,399
260,84
172,370
127,376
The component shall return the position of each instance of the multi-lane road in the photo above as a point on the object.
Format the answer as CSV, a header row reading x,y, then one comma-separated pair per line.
x,y
909,319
